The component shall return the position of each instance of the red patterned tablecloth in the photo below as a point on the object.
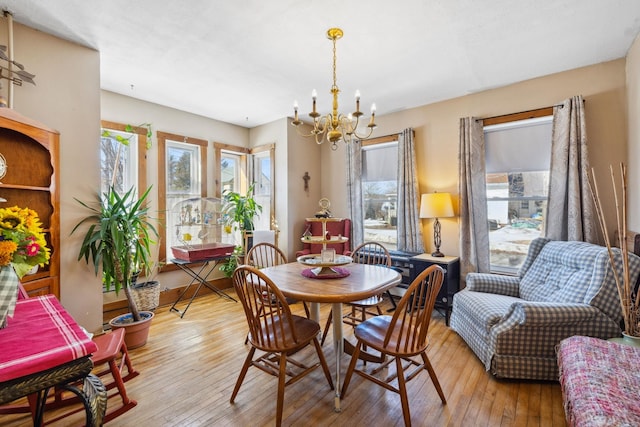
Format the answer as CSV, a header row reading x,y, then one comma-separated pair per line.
x,y
40,335
600,382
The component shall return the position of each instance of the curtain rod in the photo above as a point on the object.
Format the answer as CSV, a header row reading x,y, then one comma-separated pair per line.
x,y
383,138
538,112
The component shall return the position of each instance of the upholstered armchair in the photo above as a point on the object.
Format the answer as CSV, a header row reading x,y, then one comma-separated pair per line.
x,y
514,323
336,228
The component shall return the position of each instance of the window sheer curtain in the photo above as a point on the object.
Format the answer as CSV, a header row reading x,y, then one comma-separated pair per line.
x,y
474,225
409,230
354,192
570,210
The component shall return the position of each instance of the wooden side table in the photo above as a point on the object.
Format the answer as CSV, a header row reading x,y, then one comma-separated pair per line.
x,y
451,283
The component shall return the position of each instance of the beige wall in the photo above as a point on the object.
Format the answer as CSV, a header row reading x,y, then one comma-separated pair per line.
x,y
436,128
633,158
67,98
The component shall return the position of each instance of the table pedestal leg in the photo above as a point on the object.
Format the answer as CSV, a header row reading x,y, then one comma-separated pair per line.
x,y
338,345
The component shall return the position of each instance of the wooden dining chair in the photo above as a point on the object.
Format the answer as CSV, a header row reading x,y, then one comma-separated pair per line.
x,y
276,332
265,254
401,337
371,253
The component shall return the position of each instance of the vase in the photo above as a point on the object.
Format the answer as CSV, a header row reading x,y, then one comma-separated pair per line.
x,y
8,293
627,339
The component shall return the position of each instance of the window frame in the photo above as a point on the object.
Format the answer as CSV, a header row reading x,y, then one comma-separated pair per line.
x,y
510,118
393,138
163,137
256,153
142,143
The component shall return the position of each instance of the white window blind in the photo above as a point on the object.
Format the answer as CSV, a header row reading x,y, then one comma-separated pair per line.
x,y
523,146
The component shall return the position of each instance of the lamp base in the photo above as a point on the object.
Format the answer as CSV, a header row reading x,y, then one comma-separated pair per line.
x,y
437,253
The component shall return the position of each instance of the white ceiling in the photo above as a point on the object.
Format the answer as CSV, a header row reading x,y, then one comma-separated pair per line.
x,y
246,61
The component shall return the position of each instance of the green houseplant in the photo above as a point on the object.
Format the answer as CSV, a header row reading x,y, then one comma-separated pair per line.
x,y
238,213
118,244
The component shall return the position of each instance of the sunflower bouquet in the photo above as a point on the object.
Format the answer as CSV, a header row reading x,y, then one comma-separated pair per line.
x,y
22,240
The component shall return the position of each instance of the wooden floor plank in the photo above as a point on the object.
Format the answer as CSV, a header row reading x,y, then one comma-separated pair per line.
x,y
189,366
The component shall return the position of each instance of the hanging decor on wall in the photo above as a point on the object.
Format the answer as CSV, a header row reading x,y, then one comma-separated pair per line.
x,y
12,70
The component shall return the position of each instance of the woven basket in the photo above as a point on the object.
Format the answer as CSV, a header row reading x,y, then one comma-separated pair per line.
x,y
147,295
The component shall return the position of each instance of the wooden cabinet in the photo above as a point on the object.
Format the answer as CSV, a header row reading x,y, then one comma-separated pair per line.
x,y
31,152
451,283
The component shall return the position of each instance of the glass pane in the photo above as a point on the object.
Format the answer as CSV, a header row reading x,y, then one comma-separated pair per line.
x,y
262,189
183,182
182,170
380,194
229,171
516,206
118,161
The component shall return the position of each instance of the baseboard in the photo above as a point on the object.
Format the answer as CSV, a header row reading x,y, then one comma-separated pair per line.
x,y
167,298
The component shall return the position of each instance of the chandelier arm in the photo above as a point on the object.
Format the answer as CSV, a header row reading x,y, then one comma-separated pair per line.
x,y
363,136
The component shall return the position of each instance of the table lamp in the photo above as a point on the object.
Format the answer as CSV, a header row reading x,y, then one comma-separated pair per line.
x,y
436,205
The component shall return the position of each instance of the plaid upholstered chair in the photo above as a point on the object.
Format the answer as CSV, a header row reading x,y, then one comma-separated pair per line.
x,y
514,323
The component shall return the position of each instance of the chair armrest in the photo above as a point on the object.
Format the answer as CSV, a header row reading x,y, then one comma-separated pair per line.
x,y
494,284
541,314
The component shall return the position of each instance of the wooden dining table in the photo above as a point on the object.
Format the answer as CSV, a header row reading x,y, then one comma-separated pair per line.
x,y
362,281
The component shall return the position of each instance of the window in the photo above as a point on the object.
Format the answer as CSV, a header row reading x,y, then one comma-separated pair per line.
x,y
232,175
380,192
182,169
122,157
517,175
262,174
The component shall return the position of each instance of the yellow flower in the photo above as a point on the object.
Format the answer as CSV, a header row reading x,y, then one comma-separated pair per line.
x,y
7,248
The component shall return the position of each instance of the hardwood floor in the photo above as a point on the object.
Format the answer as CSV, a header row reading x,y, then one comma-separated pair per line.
x,y
189,366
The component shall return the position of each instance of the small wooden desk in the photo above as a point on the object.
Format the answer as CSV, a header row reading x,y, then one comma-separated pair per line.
x,y
364,281
42,347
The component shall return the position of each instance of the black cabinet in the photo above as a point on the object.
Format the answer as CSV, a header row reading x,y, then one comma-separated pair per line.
x,y
451,283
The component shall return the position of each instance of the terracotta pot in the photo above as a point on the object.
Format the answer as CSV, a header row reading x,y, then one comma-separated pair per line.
x,y
136,333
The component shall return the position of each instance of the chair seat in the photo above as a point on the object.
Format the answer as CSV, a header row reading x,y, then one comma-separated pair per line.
x,y
109,346
373,332
305,329
368,302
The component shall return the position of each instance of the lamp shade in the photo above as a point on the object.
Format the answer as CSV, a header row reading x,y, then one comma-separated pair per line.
x,y
436,205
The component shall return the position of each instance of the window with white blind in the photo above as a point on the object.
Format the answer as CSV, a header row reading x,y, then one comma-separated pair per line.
x,y
517,163
380,193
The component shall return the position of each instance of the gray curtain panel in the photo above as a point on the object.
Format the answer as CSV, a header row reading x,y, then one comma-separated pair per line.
x,y
354,191
570,210
409,227
474,225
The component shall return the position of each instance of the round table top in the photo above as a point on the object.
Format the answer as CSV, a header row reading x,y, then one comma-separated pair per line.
x,y
364,281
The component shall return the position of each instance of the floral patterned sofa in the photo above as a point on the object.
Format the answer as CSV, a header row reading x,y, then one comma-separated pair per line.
x,y
514,323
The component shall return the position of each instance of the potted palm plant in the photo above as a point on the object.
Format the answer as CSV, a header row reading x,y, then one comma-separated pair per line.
x,y
118,244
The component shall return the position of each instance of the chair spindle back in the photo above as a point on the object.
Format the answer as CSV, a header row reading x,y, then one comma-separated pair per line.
x,y
410,322
264,255
268,314
372,253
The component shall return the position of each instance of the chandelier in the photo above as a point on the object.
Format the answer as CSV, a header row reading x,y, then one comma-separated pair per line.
x,y
335,126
